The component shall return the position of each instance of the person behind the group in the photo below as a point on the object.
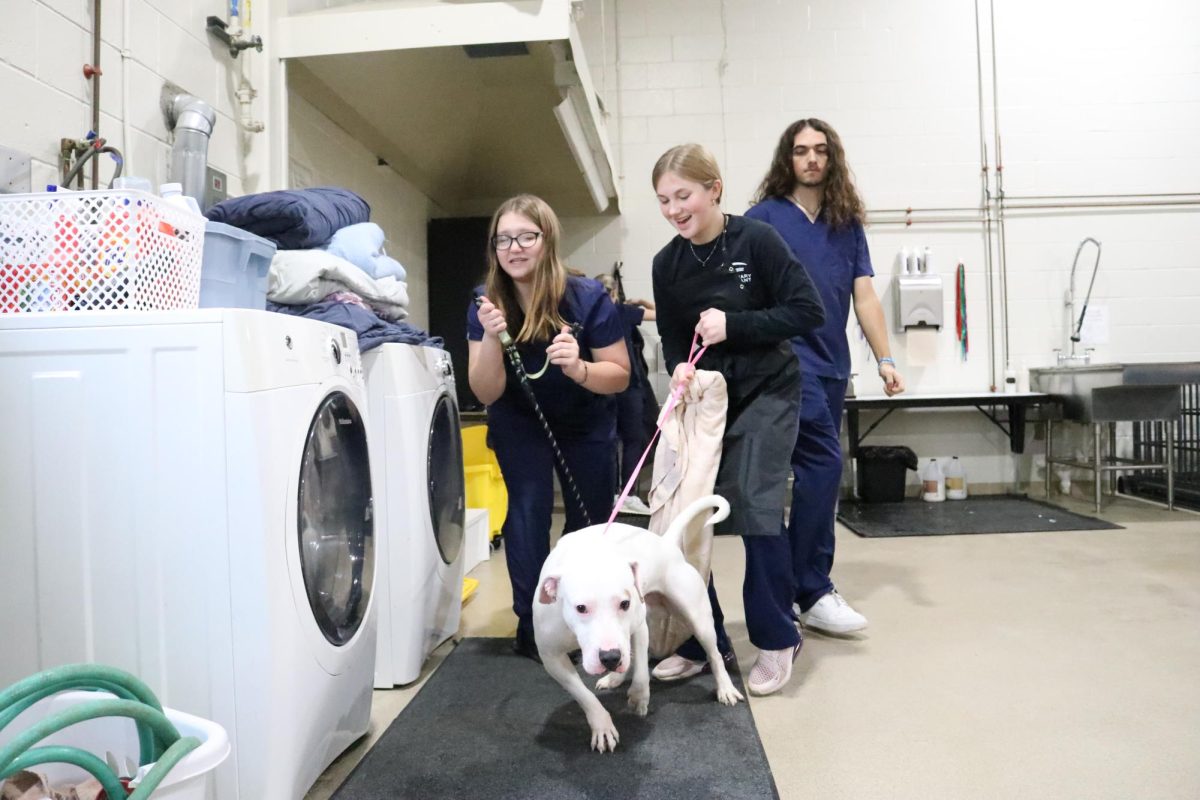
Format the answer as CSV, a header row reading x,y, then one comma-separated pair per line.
x,y
529,294
808,195
733,281
637,409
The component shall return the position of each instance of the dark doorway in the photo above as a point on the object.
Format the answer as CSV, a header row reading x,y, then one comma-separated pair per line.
x,y
457,264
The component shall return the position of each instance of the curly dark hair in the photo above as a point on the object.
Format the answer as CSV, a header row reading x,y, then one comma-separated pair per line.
x,y
841,204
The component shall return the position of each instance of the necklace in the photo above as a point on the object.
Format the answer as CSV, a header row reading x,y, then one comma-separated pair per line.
x,y
717,245
812,216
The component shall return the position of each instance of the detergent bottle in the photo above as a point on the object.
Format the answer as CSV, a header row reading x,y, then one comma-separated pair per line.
x,y
933,483
956,480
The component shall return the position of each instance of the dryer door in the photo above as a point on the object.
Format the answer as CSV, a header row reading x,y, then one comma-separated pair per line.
x,y
336,524
447,486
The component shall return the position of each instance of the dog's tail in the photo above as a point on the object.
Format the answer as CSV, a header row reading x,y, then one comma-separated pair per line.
x,y
674,533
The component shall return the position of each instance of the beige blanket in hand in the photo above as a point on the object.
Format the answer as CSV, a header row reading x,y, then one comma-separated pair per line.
x,y
685,468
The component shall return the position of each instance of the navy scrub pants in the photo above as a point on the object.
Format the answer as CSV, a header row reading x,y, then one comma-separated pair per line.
x,y
631,431
528,465
817,474
766,597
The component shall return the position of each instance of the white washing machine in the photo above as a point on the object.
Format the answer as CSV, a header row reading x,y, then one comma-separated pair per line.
x,y
416,448
187,496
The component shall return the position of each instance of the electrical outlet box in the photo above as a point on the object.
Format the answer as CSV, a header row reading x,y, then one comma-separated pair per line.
x,y
216,188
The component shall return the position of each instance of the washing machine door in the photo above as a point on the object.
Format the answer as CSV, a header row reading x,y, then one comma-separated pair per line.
x,y
447,486
335,519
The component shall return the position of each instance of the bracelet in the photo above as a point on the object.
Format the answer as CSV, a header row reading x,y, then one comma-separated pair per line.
x,y
585,373
886,360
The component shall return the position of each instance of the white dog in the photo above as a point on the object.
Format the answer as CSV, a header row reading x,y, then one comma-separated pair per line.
x,y
593,592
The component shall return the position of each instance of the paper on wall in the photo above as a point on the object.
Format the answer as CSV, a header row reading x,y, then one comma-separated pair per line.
x,y
920,347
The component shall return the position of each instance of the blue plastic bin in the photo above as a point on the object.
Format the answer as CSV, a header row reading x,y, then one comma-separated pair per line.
x,y
234,271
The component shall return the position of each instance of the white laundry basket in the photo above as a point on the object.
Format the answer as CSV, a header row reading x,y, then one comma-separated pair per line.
x,y
118,249
190,779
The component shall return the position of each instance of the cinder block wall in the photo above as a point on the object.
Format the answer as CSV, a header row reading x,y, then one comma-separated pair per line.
x,y
1087,100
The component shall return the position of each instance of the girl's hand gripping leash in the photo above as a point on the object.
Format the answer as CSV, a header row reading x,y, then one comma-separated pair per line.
x,y
514,358
693,357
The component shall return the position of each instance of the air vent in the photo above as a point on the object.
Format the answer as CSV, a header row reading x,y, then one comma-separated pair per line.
x,y
496,50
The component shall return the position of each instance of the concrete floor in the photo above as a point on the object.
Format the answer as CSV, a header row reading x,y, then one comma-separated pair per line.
x,y
1045,665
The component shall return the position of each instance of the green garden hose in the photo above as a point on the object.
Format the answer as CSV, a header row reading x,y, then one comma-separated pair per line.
x,y
159,740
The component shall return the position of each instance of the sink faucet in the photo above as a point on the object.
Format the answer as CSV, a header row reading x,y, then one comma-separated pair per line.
x,y
1071,358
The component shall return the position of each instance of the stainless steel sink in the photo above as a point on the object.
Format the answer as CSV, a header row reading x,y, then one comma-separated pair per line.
x,y
1116,392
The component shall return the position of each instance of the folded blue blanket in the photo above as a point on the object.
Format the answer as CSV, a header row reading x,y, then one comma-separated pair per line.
x,y
295,219
371,329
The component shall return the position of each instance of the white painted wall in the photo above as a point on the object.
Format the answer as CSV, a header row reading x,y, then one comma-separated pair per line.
x,y
1092,100
322,153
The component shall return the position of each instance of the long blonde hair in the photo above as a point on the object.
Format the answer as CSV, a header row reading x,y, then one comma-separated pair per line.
x,y
692,162
542,319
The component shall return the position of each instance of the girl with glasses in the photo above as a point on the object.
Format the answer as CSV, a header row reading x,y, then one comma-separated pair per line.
x,y
734,282
529,296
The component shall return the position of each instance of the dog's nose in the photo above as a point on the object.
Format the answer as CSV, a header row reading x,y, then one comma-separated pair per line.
x,y
611,659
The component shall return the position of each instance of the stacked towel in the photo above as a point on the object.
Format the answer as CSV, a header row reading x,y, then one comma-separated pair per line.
x,y
362,246
294,219
301,277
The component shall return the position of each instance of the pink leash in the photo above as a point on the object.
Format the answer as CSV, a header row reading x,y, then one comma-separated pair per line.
x,y
693,357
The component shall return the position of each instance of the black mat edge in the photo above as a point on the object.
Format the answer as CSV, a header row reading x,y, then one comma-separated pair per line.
x,y
1101,525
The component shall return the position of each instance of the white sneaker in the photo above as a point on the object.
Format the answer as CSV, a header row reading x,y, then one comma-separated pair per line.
x,y
634,505
772,670
676,668
833,614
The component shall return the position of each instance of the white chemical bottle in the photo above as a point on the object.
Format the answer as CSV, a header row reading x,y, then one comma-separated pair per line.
x,y
956,480
933,483
173,194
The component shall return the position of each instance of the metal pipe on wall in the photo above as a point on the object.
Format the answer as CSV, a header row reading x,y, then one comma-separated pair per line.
x,y
1002,242
985,203
95,65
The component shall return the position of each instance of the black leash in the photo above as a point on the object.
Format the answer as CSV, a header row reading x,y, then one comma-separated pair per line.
x,y
514,358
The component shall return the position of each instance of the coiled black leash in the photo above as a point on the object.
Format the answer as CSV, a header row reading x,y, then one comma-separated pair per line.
x,y
514,358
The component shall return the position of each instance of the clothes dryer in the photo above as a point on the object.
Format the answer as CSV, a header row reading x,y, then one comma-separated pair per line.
x,y
421,506
187,496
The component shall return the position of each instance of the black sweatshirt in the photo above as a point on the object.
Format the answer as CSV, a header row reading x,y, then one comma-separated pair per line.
x,y
753,277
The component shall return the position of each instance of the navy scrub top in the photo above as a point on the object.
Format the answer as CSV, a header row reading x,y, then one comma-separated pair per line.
x,y
571,410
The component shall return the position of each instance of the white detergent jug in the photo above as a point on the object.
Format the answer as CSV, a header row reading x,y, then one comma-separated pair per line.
x,y
956,480
933,484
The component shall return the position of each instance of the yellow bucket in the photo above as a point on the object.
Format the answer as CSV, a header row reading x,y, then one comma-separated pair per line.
x,y
485,485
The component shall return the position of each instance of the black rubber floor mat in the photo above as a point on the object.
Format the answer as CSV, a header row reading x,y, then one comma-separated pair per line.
x,y
987,514
494,726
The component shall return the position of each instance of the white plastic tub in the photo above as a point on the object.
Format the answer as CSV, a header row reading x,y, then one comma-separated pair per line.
x,y
191,779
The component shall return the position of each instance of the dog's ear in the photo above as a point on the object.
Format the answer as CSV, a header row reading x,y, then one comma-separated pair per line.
x,y
637,583
549,591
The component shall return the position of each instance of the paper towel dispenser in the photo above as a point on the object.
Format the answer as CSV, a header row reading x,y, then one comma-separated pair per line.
x,y
918,302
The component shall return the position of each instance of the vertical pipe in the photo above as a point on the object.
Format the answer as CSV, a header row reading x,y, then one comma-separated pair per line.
x,y
1170,424
1049,450
986,208
1003,242
1097,470
96,86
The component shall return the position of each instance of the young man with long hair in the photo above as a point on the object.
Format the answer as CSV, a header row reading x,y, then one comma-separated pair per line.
x,y
808,195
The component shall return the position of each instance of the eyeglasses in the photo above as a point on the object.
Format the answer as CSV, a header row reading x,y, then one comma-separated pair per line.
x,y
526,239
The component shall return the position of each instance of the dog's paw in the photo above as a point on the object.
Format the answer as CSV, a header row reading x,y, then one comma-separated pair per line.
x,y
729,695
610,681
639,700
604,735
